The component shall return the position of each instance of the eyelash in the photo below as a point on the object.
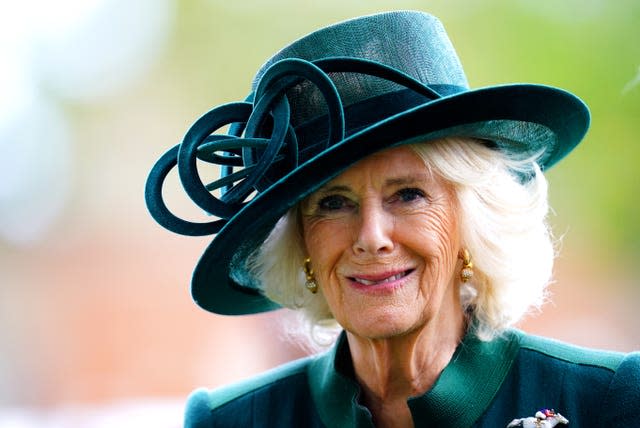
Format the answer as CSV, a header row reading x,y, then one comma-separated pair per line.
x,y
405,195
324,203
413,192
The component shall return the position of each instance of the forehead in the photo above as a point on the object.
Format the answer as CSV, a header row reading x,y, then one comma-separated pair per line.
x,y
397,163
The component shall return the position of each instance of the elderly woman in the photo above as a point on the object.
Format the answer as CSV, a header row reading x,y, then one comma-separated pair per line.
x,y
367,187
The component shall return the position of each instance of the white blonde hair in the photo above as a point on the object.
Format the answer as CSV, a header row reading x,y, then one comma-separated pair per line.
x,y
502,225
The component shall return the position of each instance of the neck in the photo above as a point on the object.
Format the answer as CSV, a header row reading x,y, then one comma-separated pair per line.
x,y
391,370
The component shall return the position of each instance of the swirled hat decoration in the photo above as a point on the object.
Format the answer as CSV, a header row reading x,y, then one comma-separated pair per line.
x,y
320,105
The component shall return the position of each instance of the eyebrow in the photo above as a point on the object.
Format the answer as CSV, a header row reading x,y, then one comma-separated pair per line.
x,y
395,181
335,188
409,179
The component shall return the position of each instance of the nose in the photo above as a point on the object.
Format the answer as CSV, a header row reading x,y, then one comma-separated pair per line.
x,y
374,231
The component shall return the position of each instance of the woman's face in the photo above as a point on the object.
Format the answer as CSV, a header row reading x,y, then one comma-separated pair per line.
x,y
383,241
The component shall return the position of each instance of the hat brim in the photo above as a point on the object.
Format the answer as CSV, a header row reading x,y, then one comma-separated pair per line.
x,y
522,119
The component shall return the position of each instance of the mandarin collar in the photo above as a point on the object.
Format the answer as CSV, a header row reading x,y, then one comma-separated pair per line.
x,y
458,398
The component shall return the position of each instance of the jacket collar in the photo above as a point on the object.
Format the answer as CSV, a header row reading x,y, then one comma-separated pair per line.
x,y
459,397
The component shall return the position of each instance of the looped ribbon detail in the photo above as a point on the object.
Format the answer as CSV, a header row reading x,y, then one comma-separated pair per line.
x,y
260,135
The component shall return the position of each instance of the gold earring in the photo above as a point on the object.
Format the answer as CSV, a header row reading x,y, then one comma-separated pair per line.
x,y
311,283
467,266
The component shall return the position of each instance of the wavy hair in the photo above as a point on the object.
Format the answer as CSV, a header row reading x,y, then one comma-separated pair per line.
x,y
502,225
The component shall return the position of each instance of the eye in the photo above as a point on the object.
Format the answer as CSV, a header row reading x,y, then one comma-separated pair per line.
x,y
409,195
334,203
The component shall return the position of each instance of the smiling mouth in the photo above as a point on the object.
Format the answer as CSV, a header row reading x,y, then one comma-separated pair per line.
x,y
388,279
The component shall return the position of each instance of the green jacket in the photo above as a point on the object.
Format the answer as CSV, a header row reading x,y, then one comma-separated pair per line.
x,y
486,384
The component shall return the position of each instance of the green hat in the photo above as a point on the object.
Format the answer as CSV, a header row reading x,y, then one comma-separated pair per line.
x,y
321,104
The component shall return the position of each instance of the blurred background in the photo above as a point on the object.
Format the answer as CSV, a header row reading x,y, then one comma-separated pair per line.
x,y
97,326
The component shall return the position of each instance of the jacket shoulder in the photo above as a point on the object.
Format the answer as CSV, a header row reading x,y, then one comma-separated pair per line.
x,y
604,380
608,360
590,387
203,402
622,403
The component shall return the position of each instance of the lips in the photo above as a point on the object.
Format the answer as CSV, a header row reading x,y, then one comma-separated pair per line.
x,y
383,279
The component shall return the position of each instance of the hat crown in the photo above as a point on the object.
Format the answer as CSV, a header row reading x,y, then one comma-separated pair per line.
x,y
411,42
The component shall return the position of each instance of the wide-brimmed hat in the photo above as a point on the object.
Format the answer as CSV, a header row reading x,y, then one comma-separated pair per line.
x,y
321,104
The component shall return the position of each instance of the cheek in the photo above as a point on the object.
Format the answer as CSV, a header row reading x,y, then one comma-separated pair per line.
x,y
312,236
325,241
448,237
440,237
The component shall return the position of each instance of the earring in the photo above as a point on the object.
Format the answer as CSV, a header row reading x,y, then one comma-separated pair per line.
x,y
311,284
467,266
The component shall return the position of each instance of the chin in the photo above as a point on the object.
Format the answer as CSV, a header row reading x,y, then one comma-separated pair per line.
x,y
384,327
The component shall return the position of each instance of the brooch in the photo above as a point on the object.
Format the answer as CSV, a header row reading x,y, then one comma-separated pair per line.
x,y
544,418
